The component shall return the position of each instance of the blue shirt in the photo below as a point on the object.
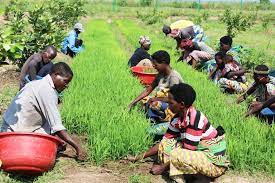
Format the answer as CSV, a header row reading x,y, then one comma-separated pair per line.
x,y
69,42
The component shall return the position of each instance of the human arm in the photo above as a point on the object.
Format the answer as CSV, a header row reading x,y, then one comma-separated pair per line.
x,y
212,73
247,93
72,43
47,101
145,93
33,65
172,131
261,105
63,134
240,72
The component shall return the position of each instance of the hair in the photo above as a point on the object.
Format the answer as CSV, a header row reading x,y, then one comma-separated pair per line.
x,y
161,57
220,54
166,29
226,40
51,50
261,70
62,69
183,93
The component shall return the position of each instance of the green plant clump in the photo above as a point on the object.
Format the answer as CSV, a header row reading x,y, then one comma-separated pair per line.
x,y
30,30
237,22
96,101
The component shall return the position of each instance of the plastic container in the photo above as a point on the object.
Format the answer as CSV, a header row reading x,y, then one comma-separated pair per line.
x,y
28,153
145,78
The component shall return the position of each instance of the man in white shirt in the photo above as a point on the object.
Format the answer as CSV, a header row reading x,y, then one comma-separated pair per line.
x,y
34,108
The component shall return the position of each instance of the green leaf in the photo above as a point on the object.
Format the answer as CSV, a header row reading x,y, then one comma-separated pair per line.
x,y
6,47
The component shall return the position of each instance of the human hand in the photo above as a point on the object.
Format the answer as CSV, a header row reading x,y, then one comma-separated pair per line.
x,y
254,107
240,99
81,154
130,106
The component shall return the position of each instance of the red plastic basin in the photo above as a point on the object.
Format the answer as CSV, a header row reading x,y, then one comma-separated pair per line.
x,y
145,78
27,153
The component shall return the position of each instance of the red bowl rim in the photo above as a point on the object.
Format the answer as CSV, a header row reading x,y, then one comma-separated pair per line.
x,y
31,134
139,72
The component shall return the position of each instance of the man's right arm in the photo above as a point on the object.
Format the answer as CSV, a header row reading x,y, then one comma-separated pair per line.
x,y
247,93
63,134
71,40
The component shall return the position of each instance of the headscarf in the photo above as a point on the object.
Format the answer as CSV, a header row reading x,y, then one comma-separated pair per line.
x,y
144,40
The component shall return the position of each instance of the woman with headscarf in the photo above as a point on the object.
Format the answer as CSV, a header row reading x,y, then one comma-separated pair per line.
x,y
141,57
187,31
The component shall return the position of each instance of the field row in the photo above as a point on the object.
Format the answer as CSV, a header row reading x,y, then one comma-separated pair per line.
x,y
250,143
96,102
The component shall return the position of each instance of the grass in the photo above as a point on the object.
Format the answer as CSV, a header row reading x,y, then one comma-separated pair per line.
x,y
137,178
96,102
250,142
52,176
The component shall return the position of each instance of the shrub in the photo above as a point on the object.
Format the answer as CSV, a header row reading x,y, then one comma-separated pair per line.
x,y
122,3
44,24
146,2
237,22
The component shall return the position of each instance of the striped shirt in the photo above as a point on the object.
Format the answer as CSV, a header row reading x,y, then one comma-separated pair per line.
x,y
191,129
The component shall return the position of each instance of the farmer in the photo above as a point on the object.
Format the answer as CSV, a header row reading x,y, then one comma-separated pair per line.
x,y
34,108
226,47
196,53
156,104
191,144
229,74
141,57
187,31
262,89
71,44
37,66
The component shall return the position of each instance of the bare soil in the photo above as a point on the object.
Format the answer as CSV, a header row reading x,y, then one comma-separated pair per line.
x,y
122,171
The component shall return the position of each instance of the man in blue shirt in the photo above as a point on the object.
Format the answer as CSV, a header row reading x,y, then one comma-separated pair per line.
x,y
71,44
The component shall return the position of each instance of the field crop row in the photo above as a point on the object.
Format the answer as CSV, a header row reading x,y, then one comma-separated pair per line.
x,y
250,142
96,102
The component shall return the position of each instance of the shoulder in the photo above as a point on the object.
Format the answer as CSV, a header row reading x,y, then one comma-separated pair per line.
x,y
35,58
176,74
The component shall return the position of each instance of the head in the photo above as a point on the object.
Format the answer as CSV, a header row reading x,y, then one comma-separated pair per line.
x,y
186,44
181,97
166,30
78,27
61,75
161,60
228,59
225,43
261,74
145,42
48,54
219,58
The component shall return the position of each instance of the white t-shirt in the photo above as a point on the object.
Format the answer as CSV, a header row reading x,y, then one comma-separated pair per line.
x,y
34,109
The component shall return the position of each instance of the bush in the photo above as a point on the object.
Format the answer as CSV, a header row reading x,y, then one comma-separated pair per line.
x,y
266,21
250,58
42,25
12,7
146,2
237,22
122,3
151,17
